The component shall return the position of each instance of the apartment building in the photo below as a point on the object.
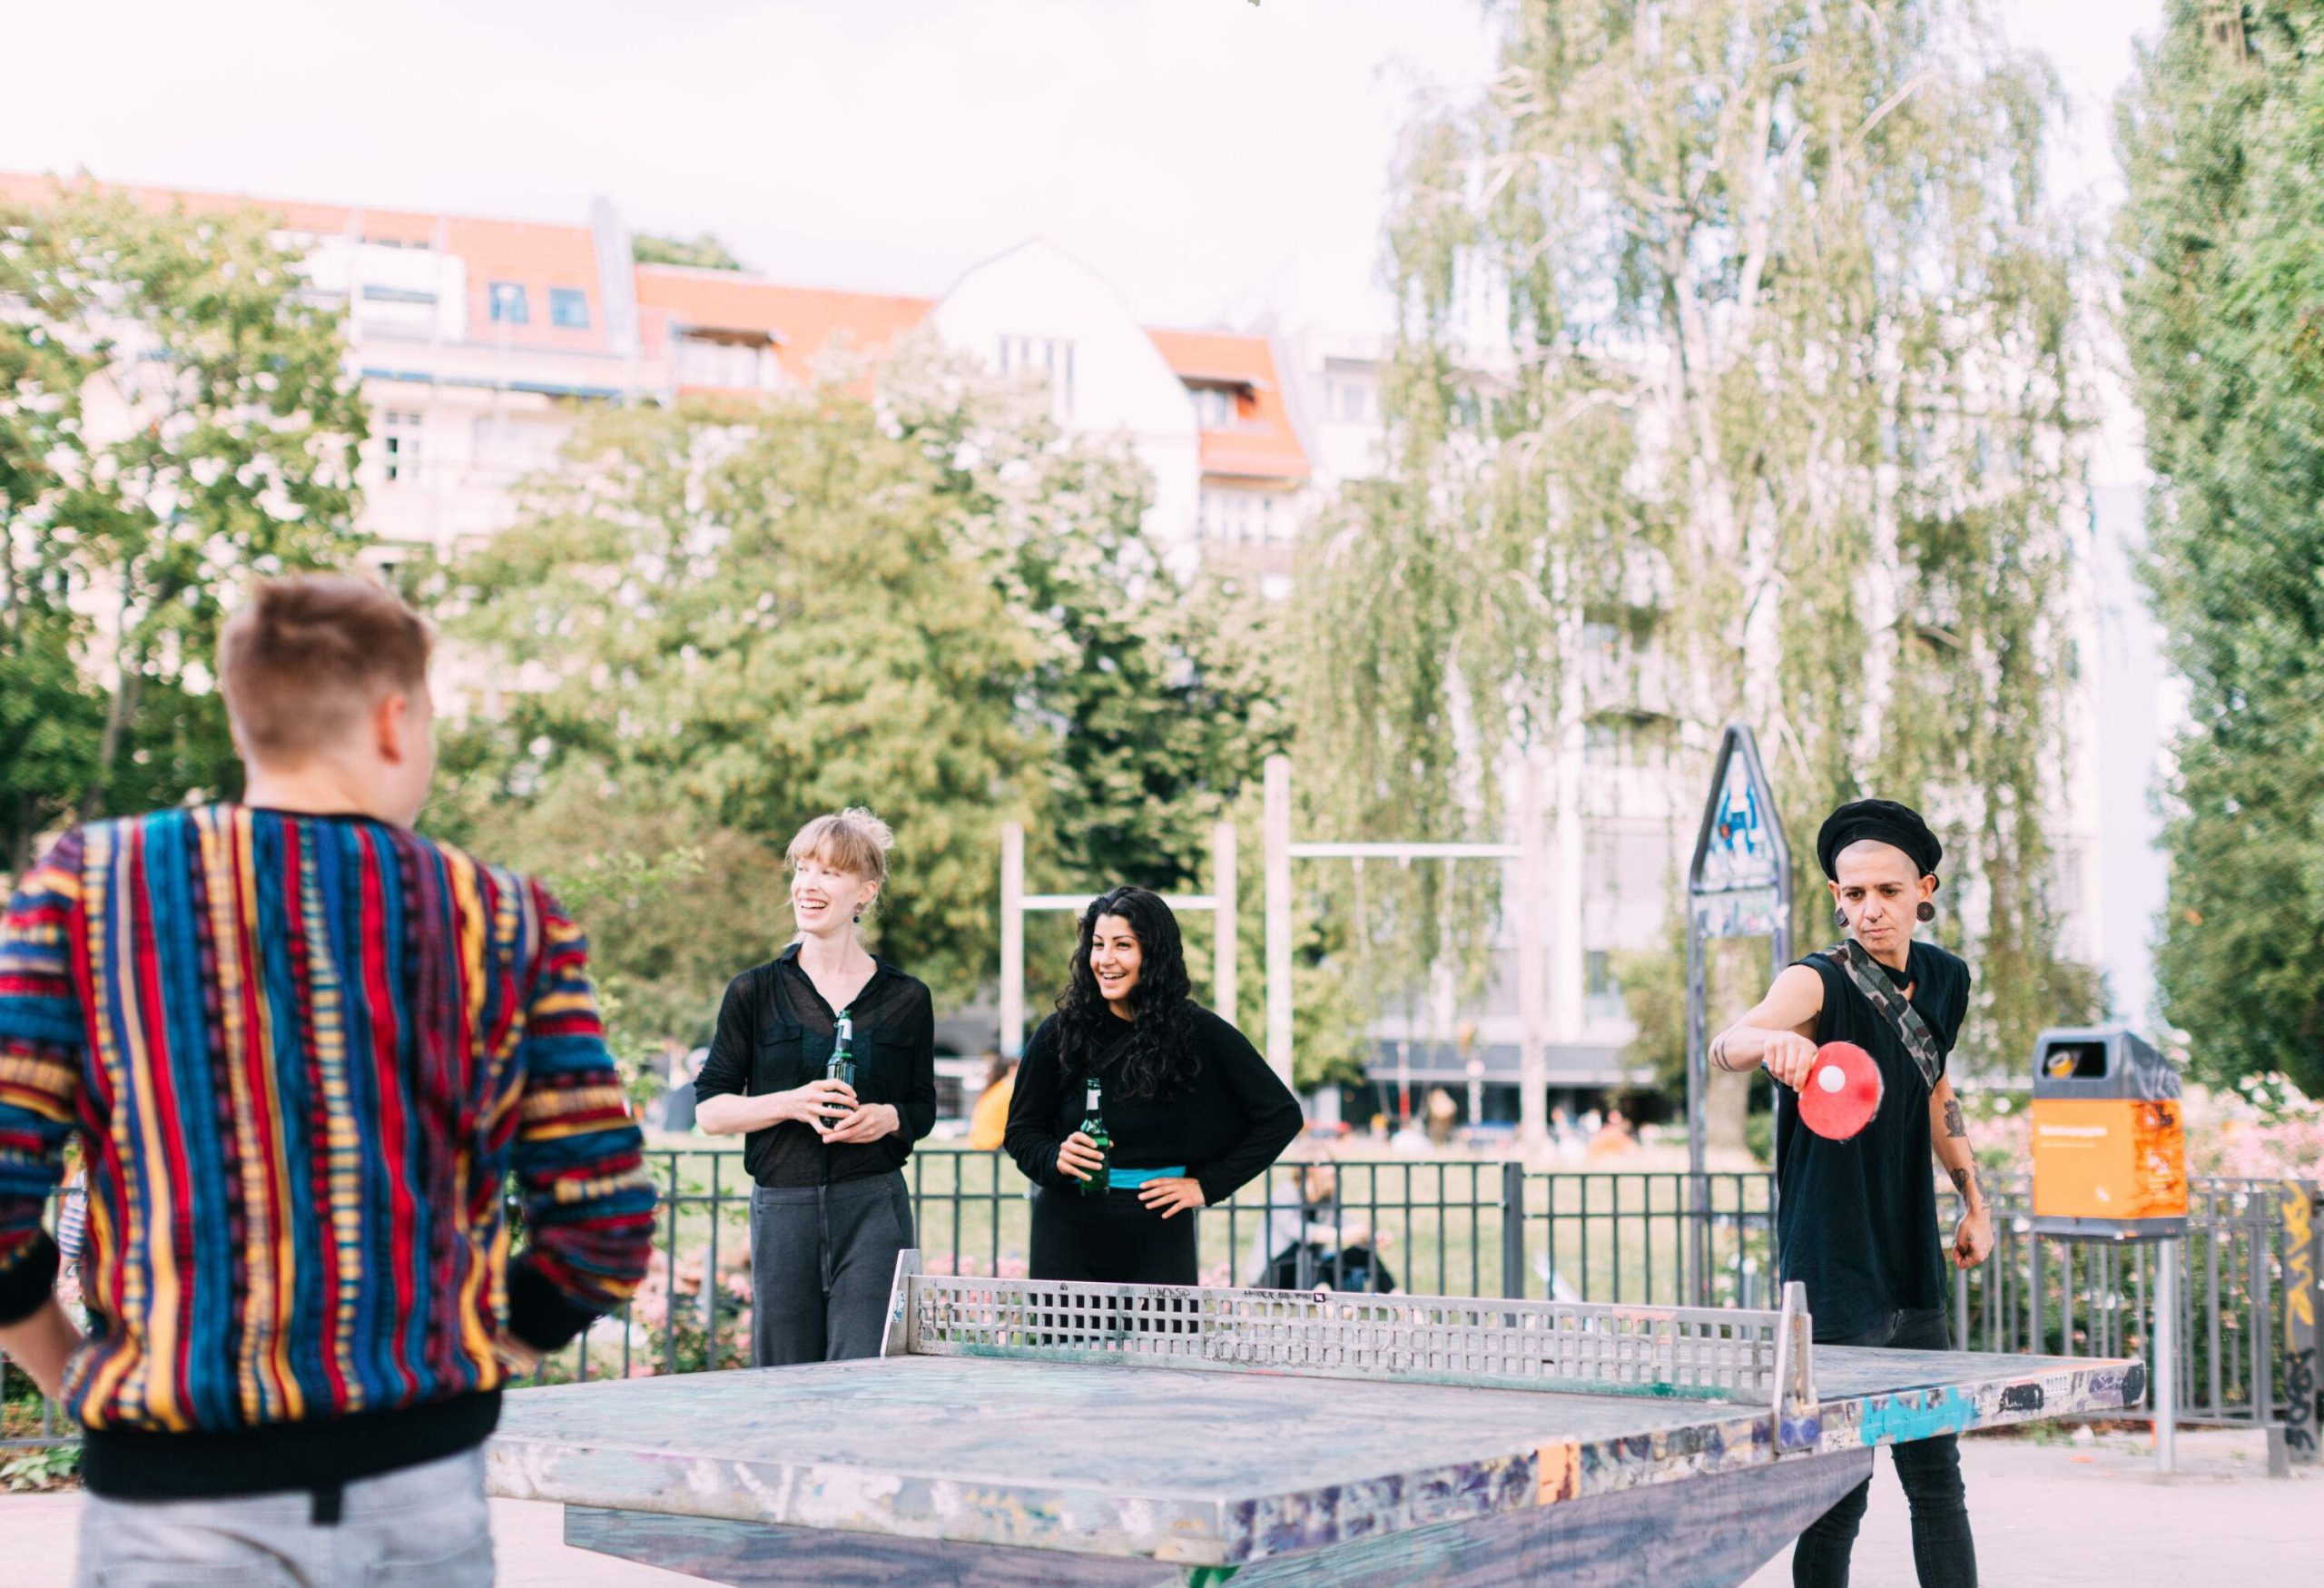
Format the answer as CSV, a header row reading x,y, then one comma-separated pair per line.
x,y
479,342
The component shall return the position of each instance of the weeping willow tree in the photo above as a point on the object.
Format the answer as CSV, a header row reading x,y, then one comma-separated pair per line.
x,y
1733,379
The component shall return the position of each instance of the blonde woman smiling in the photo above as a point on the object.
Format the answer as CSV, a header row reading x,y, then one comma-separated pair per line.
x,y
829,1211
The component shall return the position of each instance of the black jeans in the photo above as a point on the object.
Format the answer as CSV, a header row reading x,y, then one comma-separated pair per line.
x,y
1930,1469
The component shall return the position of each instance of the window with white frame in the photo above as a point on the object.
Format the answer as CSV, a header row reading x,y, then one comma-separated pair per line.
x,y
1351,392
1215,407
1229,516
1602,990
508,303
1051,359
399,445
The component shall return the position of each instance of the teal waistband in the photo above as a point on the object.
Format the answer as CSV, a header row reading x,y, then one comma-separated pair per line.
x,y
1130,1179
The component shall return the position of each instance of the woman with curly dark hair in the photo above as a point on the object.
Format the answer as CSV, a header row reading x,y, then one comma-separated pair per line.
x,y
1191,1109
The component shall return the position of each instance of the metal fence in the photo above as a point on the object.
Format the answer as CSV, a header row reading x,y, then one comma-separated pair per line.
x,y
1481,1228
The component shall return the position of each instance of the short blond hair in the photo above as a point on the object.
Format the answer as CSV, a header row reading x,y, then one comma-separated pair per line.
x,y
853,841
310,654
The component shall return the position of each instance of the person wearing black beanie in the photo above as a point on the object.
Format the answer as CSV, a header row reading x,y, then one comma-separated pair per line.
x,y
1856,1219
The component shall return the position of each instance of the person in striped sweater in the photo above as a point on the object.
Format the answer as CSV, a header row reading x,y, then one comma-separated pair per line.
x,y
303,1048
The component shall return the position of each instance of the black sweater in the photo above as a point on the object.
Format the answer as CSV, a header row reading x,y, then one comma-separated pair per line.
x,y
1225,1126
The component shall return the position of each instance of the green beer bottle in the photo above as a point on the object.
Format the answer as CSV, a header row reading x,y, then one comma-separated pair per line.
x,y
841,1067
1093,1126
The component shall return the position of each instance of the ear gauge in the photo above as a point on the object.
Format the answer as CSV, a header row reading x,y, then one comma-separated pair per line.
x,y
1927,911
1840,919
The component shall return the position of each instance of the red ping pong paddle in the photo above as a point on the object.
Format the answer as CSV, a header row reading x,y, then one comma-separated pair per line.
x,y
1842,1093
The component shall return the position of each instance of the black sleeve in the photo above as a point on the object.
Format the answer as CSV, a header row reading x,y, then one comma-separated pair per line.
x,y
1274,1116
917,1113
26,1285
1956,1011
727,1069
1032,1136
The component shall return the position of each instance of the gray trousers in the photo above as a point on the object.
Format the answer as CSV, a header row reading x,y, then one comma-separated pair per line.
x,y
422,1526
822,1258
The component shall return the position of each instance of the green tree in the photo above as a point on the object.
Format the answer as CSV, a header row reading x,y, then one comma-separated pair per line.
x,y
1733,379
1153,700
50,718
703,252
176,418
753,619
714,625
2221,247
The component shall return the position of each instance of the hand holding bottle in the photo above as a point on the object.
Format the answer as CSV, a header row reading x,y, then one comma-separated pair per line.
x,y
818,1103
1078,1156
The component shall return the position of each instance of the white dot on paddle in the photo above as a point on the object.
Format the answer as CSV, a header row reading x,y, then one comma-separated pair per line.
x,y
1830,1078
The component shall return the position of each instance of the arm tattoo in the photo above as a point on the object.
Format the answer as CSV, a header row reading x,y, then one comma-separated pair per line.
x,y
1963,1179
1718,1050
1952,1125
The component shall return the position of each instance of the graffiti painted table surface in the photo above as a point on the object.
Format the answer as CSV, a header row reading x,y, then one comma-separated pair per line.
x,y
1024,1432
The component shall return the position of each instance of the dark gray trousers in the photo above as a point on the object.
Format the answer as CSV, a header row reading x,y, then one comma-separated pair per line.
x,y
822,1258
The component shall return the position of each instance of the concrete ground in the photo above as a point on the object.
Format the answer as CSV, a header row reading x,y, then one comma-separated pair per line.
x,y
2065,1514
2084,1511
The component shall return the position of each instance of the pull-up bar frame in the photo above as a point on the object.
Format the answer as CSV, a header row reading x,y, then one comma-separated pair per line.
x,y
1532,927
1016,904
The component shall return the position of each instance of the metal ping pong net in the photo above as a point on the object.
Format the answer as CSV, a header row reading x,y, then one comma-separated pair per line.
x,y
1743,1355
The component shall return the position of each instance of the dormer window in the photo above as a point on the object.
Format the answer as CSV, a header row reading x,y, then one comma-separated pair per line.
x,y
1223,404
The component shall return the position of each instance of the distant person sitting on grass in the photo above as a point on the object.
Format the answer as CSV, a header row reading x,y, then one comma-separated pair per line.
x,y
303,1047
1311,1244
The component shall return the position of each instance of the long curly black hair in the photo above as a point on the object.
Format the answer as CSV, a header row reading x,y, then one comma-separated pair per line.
x,y
1160,1056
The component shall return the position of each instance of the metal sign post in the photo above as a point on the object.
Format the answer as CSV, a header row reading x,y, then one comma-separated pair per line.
x,y
1532,933
1738,884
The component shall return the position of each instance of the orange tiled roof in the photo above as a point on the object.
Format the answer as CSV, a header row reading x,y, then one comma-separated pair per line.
x,y
1262,444
804,320
526,254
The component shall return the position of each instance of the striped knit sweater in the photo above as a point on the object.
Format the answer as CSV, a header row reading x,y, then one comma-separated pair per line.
x,y
303,1053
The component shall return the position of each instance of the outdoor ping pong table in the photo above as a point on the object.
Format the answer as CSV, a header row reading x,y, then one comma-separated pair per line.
x,y
1021,1432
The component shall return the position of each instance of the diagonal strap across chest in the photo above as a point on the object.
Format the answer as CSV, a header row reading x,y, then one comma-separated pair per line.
x,y
1889,999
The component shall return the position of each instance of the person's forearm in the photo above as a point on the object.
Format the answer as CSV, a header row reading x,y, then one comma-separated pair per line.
x,y
734,1114
42,1343
1740,1047
1949,1136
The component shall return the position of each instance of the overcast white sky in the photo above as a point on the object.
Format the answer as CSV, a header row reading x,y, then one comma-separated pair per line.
x,y
1215,160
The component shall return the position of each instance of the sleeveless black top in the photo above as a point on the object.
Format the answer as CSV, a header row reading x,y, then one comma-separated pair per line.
x,y
1856,1220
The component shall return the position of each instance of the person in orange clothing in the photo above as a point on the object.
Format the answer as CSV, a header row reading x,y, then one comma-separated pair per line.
x,y
989,1121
